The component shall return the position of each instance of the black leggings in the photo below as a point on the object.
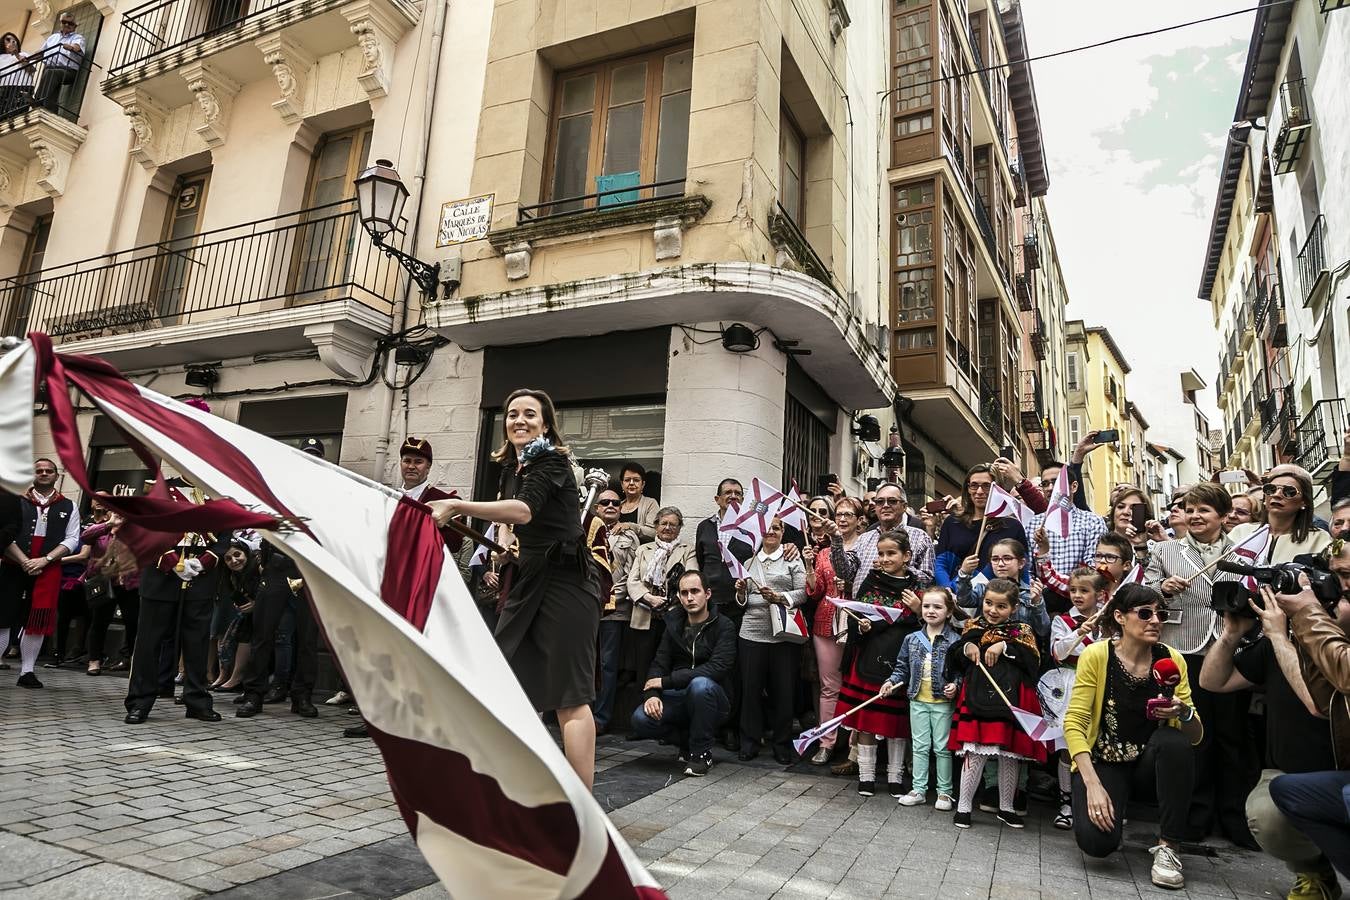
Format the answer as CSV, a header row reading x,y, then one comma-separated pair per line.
x,y
1165,771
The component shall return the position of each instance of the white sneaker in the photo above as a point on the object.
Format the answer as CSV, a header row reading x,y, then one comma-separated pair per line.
x,y
1166,867
913,798
944,803
822,756
338,699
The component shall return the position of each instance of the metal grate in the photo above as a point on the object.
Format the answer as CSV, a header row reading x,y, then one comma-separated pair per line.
x,y
806,445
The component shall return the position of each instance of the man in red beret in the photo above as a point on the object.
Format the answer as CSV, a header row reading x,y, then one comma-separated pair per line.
x,y
414,464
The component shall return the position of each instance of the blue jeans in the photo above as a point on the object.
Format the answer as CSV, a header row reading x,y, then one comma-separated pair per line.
x,y
696,711
611,644
1318,804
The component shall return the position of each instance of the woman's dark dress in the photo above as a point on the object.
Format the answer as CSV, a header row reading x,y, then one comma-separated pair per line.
x,y
548,628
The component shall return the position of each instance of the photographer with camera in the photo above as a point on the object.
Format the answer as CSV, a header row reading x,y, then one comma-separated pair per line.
x,y
1314,593
1298,738
1226,769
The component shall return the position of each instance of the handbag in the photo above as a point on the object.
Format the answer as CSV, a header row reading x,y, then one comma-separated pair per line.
x,y
787,626
98,591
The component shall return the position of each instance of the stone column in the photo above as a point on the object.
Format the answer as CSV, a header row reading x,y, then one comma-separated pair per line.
x,y
724,418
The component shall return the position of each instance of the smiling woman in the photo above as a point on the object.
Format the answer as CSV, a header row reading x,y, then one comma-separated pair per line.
x,y
547,630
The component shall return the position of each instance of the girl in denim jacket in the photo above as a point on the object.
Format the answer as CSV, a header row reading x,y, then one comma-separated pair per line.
x,y
920,665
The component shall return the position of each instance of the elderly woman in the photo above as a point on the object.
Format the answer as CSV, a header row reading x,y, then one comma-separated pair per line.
x,y
821,584
637,512
1126,737
768,665
651,576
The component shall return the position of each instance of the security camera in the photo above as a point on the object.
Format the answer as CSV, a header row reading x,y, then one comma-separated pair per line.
x,y
899,218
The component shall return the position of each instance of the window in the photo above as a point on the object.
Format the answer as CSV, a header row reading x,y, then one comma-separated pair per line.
x,y
326,241
1075,430
34,252
619,125
181,225
791,168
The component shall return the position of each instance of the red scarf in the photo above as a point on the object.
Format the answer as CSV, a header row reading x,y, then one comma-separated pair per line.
x,y
46,589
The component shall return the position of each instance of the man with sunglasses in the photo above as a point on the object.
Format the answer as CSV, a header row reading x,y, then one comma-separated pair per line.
x,y
890,504
62,54
1226,771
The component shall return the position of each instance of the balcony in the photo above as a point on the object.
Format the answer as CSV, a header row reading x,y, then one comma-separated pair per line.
x,y
178,64
794,250
1025,288
1031,244
39,109
1319,436
1286,423
1312,262
991,410
309,279
1257,302
1044,446
1295,126
1033,412
1266,409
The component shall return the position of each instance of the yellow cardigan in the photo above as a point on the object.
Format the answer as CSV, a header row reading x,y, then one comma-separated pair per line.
x,y
1082,720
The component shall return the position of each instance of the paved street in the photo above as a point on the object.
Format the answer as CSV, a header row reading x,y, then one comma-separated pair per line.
x,y
284,807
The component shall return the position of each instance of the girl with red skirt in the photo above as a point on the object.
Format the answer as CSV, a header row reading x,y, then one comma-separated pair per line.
x,y
984,726
869,658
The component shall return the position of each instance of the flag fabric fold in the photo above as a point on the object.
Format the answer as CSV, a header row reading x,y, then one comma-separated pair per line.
x,y
1250,550
17,370
888,614
485,792
1002,503
1060,511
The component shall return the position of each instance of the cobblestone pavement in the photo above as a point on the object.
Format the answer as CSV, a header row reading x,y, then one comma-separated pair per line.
x,y
283,807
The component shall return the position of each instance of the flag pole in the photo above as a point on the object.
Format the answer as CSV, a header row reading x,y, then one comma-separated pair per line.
x,y
994,683
814,515
984,521
1218,559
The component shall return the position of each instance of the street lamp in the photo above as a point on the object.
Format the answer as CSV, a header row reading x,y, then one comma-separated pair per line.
x,y
380,195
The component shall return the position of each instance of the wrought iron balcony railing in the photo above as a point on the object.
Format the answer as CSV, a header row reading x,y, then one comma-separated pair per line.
x,y
164,25
53,80
609,198
1286,422
1320,433
991,409
1033,412
1295,126
300,258
785,233
1312,260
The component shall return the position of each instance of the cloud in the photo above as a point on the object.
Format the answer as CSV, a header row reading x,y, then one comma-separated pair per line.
x,y
1134,134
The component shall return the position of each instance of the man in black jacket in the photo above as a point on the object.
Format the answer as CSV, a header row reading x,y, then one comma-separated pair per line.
x,y
709,555
684,688
178,594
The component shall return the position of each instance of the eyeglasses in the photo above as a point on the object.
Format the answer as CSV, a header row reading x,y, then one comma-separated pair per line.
x,y
1289,492
822,512
887,501
1179,504
1148,613
1002,559
845,514
979,487
1108,557
607,503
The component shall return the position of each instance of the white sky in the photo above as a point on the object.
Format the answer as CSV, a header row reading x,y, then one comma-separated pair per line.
x,y
1134,134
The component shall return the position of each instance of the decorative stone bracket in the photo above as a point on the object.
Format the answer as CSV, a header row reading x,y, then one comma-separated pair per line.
x,y
377,29
214,93
291,66
53,142
346,348
518,256
146,118
839,19
42,20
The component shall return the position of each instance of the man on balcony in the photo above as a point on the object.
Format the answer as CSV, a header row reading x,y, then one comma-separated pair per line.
x,y
62,55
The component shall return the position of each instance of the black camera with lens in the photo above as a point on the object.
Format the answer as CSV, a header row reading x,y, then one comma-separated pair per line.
x,y
1281,578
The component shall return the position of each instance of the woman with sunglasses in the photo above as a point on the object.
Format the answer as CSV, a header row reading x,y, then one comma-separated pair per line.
x,y
956,552
1287,491
821,584
1227,769
1128,737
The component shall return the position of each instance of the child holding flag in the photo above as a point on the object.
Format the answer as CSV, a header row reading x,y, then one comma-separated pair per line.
x,y
1008,559
1070,633
998,660
873,645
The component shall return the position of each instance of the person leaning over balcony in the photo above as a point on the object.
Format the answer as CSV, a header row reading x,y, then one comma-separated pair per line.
x,y
62,55
16,77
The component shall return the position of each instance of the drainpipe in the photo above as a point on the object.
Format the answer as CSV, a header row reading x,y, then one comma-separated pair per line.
x,y
386,415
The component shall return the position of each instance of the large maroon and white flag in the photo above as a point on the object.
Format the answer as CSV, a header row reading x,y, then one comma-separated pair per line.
x,y
486,794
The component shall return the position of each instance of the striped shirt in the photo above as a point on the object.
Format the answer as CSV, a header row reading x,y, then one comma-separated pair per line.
x,y
1199,624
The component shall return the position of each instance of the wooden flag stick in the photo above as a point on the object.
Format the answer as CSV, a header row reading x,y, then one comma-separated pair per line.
x,y
980,663
980,539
